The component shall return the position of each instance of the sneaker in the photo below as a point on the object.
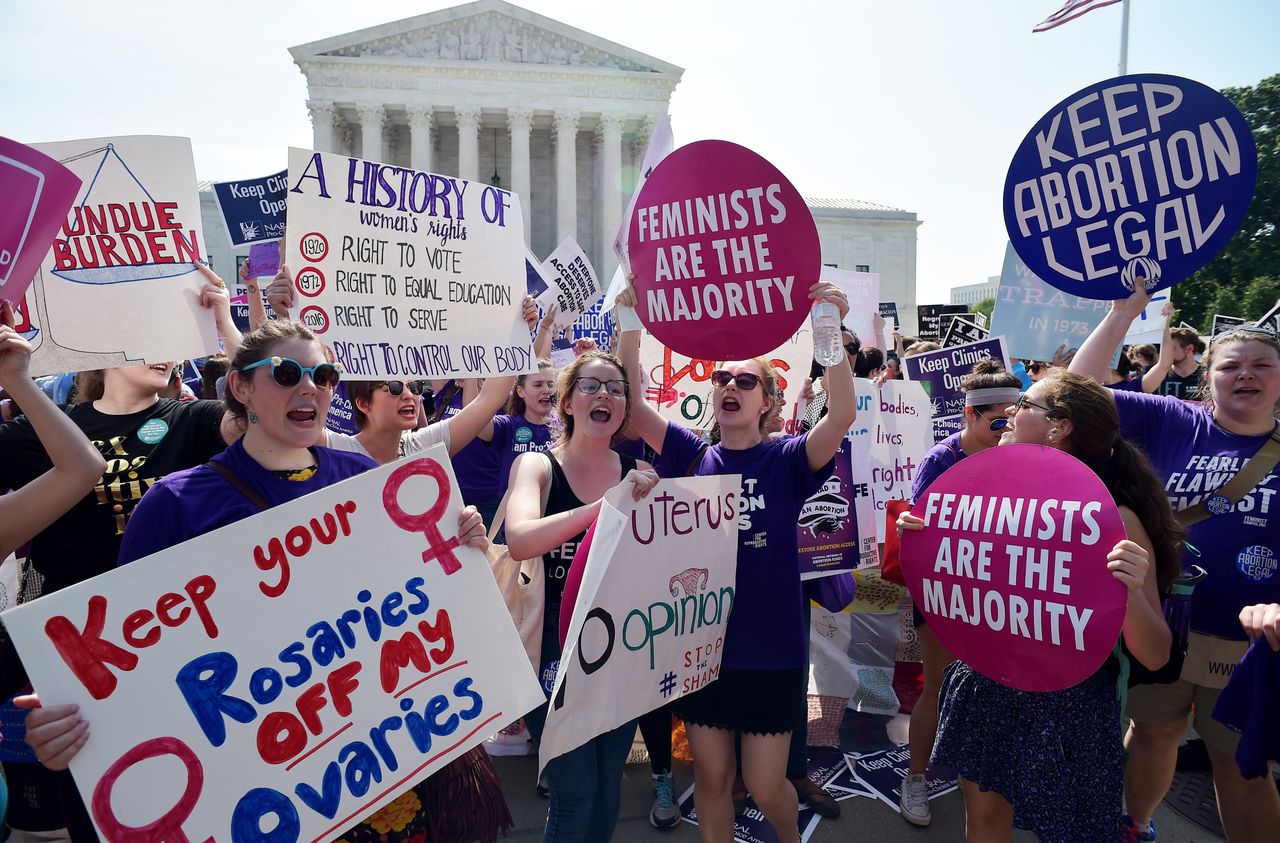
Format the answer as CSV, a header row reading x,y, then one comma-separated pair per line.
x,y
818,800
665,813
914,800
1132,834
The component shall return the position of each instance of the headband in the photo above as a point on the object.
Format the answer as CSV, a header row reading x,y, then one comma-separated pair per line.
x,y
993,395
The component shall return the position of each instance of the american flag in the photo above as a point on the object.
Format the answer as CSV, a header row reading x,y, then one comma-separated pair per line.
x,y
1071,10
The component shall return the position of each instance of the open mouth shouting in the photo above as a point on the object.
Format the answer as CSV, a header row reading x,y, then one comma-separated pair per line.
x,y
601,414
730,404
408,411
304,417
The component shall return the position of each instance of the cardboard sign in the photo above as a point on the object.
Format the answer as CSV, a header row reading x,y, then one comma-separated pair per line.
x,y
863,290
572,283
941,372
827,531
751,826
648,626
1013,576
253,210
1139,177
961,331
883,772
283,685
661,142
724,251
1035,318
120,286
680,387
894,419
37,193
1222,323
407,274
929,317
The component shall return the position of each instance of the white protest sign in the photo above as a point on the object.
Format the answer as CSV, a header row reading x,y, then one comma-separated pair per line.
x,y
1149,326
120,286
287,683
863,290
649,622
679,387
864,505
661,142
407,274
896,421
574,287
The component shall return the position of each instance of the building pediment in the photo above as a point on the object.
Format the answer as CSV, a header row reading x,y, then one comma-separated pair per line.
x,y
488,31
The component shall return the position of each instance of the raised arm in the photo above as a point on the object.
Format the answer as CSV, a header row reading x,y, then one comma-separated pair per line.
x,y
529,534
1094,356
214,297
546,333
1155,376
1146,633
77,465
477,416
842,409
646,422
257,310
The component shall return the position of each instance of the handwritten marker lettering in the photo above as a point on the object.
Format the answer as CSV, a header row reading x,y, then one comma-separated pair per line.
x,y
427,523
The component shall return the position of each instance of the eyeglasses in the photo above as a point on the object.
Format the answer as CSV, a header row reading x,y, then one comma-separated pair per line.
x,y
288,372
396,388
590,386
745,380
1023,401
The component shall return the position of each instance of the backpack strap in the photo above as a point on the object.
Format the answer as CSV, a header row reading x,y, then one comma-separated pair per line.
x,y
1228,494
443,399
237,483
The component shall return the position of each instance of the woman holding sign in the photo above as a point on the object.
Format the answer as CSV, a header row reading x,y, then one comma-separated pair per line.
x,y
1218,458
279,387
1052,761
762,671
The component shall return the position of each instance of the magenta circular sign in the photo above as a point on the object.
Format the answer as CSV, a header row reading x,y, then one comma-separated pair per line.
x,y
724,251
1011,568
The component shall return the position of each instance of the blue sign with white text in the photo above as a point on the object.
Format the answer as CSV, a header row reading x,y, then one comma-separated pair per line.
x,y
253,210
1139,177
1036,320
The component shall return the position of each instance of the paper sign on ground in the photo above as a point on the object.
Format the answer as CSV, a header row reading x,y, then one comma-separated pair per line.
x,y
572,283
649,622
894,420
407,274
863,290
724,251
1035,318
680,387
120,286
827,531
751,826
1012,576
37,193
883,772
285,685
1139,177
253,210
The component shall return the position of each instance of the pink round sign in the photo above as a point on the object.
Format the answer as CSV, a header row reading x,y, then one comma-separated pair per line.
x,y
1011,568
724,251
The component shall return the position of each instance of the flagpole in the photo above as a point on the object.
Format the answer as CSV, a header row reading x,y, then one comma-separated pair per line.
x,y
1124,40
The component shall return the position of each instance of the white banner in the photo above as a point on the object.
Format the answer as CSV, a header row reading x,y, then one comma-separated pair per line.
x,y
896,420
863,290
407,274
120,286
648,625
295,670
574,287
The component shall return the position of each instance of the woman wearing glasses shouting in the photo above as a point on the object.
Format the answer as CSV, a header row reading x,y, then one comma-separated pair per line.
x,y
552,503
762,670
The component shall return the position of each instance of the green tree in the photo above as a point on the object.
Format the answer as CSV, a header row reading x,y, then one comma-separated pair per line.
x,y
1250,263
985,307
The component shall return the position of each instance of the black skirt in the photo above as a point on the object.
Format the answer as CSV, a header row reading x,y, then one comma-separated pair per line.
x,y
760,702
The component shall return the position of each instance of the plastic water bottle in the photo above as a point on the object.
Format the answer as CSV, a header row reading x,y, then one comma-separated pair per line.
x,y
827,345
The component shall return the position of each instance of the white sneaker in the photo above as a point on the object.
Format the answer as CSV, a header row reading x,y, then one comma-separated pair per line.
x,y
914,800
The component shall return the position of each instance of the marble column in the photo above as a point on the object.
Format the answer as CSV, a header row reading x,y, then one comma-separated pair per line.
x,y
566,125
322,114
520,122
610,196
420,137
371,119
468,141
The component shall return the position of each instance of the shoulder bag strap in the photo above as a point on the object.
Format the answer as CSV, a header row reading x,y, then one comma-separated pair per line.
x,y
693,463
1249,475
442,401
238,484
500,515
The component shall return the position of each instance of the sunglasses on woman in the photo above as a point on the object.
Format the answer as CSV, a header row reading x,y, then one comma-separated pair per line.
x,y
1024,401
745,380
396,388
288,372
590,386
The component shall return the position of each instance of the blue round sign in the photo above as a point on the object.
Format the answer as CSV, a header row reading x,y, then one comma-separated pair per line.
x,y
1140,179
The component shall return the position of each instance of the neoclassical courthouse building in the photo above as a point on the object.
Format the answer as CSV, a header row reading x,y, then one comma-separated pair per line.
x,y
493,92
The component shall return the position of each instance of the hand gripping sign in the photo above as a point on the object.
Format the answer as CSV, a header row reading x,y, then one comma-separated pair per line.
x,y
724,251
289,679
1139,177
1011,567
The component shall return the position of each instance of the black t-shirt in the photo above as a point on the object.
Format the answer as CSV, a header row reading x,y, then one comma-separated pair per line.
x,y
139,448
1179,386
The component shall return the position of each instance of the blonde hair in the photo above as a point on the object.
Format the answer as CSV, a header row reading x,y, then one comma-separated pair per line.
x,y
566,382
1235,336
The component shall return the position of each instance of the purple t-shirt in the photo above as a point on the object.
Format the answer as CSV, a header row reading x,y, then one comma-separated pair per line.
x,y
1248,705
513,436
940,457
190,503
1240,549
476,465
766,628
1130,385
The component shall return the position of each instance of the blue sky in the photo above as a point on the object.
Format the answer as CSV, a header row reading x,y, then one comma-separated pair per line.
x,y
913,103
